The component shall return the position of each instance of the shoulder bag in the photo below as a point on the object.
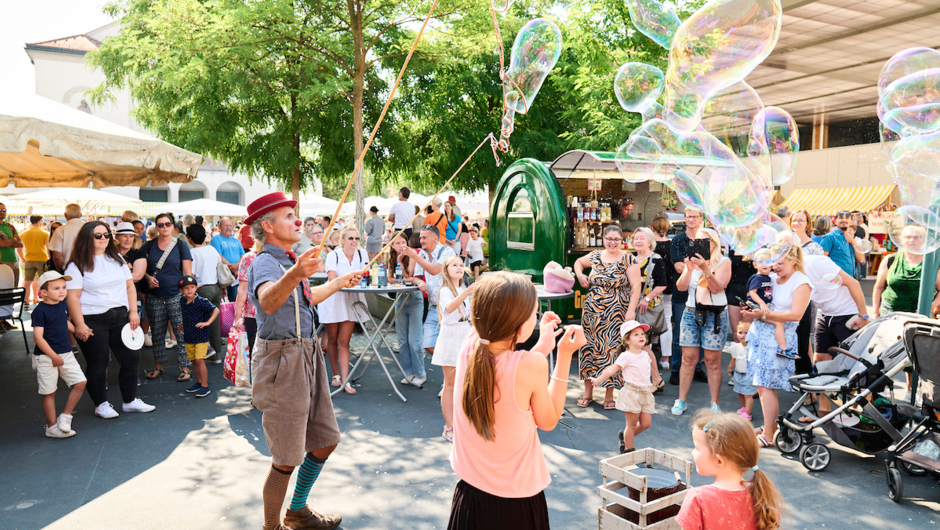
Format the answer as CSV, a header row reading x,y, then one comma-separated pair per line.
x,y
654,317
143,285
709,302
225,275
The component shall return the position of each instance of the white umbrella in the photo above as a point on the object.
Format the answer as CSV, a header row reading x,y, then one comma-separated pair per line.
x,y
91,200
318,205
44,143
206,207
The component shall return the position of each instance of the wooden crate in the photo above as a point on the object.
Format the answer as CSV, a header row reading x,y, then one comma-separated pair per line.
x,y
616,503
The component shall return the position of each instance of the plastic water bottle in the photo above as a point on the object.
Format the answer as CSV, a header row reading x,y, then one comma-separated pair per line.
x,y
399,276
383,276
365,280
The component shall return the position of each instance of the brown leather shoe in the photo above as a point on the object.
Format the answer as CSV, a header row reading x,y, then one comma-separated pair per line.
x,y
307,519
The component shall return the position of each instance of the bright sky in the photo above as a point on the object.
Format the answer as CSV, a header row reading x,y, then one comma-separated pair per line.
x,y
35,21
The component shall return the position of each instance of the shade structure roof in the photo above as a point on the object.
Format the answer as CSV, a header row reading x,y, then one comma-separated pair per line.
x,y
830,53
206,207
44,143
830,201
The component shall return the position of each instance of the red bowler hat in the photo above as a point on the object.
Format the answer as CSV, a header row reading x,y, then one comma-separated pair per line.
x,y
267,203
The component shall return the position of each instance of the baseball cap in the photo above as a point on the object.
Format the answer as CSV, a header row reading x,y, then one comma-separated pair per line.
x,y
452,199
187,280
51,275
125,228
438,201
630,325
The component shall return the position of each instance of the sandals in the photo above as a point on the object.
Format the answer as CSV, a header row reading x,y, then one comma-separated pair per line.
x,y
661,387
349,389
185,375
337,381
448,434
153,374
585,402
610,405
763,441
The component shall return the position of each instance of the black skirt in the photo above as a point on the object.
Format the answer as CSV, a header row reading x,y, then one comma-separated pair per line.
x,y
473,508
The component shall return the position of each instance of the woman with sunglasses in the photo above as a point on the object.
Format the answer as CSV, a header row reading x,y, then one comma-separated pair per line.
x,y
101,300
336,312
168,259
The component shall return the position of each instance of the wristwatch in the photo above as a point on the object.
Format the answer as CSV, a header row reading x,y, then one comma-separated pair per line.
x,y
864,317
647,299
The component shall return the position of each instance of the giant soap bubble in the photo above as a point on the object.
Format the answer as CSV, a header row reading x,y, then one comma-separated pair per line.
x,y
637,86
534,54
915,230
654,20
774,143
719,45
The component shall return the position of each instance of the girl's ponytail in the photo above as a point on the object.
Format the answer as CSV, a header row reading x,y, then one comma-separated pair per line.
x,y
768,502
479,388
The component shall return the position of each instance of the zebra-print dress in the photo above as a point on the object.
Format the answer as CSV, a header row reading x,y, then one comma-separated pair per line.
x,y
605,309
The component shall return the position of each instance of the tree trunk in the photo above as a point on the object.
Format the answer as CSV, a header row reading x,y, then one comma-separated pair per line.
x,y
357,96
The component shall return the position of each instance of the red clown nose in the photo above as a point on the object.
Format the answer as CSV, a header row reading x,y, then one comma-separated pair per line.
x,y
297,222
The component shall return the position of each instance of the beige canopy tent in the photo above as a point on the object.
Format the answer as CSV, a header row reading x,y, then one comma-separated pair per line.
x,y
44,143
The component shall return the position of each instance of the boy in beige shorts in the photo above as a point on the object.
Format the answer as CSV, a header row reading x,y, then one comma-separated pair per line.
x,y
53,357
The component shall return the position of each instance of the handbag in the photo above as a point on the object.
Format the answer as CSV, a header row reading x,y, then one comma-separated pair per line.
x,y
226,316
226,278
142,285
654,317
709,302
237,368
557,279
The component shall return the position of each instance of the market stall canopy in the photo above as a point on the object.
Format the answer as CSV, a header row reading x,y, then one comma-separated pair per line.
x,y
44,143
92,201
206,207
830,201
317,205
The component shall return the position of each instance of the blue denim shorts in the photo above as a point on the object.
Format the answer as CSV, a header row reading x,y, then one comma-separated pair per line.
x,y
691,335
432,327
743,384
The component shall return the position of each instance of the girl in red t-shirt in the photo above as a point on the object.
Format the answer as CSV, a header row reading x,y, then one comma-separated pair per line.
x,y
742,497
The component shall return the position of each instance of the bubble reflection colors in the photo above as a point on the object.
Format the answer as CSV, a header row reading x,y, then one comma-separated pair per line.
x,y
717,46
911,105
534,54
655,20
729,113
862,245
638,85
829,282
774,144
915,230
747,239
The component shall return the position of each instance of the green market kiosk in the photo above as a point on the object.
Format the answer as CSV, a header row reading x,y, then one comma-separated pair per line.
x,y
535,219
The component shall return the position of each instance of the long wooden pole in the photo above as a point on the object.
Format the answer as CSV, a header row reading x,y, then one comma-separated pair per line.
x,y
391,95
387,246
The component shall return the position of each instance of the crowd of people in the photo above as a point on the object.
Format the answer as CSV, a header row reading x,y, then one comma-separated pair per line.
x,y
667,307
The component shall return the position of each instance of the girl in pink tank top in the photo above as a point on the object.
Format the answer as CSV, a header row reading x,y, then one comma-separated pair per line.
x,y
501,397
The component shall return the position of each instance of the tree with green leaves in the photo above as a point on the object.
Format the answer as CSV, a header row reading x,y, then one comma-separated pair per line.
x,y
281,88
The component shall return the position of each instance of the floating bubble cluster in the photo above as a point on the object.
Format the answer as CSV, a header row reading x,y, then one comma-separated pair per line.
x,y
712,140
909,110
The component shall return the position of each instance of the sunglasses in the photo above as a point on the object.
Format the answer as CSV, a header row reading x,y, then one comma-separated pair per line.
x,y
842,215
164,225
3,210
353,238
99,235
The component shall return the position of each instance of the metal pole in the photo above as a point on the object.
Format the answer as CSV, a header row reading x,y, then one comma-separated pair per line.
x,y
928,281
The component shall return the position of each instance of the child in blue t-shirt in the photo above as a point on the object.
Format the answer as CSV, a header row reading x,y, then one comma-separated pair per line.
x,y
760,290
53,357
198,314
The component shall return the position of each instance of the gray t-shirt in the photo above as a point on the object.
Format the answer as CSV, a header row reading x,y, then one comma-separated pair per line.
x,y
434,281
281,325
375,229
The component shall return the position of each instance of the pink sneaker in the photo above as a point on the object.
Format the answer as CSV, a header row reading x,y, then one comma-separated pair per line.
x,y
740,410
744,415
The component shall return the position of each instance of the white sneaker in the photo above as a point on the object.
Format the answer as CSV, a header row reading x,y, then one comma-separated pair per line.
x,y
64,422
170,343
664,364
148,340
56,432
407,379
214,359
137,406
419,381
106,411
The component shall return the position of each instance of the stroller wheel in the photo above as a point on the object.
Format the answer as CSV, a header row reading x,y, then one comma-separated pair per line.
x,y
815,457
787,441
895,486
912,469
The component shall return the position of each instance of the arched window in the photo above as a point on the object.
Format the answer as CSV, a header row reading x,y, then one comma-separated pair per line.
x,y
230,192
192,191
157,194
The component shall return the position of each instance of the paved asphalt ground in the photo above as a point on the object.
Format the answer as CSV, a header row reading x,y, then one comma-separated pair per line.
x,y
201,464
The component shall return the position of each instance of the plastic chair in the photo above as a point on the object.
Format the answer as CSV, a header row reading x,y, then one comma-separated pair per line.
x,y
12,297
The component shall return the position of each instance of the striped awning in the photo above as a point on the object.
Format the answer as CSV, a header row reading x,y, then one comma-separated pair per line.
x,y
830,201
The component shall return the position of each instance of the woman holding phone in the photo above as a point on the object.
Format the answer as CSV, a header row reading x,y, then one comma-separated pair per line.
x,y
705,322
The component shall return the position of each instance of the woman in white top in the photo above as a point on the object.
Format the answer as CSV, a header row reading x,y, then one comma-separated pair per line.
x,y
704,325
206,261
102,300
454,306
791,290
336,312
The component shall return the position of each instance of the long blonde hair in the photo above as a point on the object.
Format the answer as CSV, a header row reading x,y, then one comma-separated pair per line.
x,y
716,256
449,283
732,437
502,303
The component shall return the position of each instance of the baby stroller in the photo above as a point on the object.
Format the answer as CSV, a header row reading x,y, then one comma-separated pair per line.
x,y
863,367
919,451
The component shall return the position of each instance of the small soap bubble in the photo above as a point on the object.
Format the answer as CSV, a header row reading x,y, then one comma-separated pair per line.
x,y
830,281
862,245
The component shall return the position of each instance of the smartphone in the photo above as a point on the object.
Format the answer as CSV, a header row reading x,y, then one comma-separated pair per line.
x,y
702,247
